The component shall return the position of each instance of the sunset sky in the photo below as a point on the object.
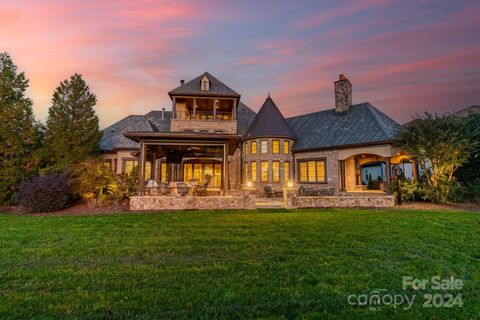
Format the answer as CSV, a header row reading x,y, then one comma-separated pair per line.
x,y
404,57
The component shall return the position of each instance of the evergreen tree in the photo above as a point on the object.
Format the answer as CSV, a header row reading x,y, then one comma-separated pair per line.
x,y
18,130
72,132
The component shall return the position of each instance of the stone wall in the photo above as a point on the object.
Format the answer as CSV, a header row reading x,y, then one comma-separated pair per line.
x,y
210,126
292,201
161,203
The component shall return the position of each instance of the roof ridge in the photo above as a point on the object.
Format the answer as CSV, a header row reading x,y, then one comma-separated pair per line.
x,y
325,110
377,118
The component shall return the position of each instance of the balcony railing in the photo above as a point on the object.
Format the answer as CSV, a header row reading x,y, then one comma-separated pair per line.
x,y
204,115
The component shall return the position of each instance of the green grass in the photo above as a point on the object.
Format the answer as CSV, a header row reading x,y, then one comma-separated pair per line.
x,y
260,264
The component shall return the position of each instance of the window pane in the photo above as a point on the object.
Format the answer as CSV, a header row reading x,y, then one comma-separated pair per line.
x,y
254,171
217,179
264,146
245,174
321,171
163,172
286,147
276,171
246,148
187,171
129,165
275,146
148,170
311,171
264,166
197,172
286,171
303,171
254,147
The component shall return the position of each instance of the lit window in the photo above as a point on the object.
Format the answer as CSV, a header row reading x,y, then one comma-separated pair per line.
x,y
148,170
129,165
286,171
275,146
276,171
254,147
312,171
245,148
264,146
264,168
286,146
187,171
205,85
163,172
254,171
246,171
197,172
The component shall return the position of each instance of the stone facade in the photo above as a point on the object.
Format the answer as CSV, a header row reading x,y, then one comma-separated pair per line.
x,y
270,157
343,94
204,126
332,168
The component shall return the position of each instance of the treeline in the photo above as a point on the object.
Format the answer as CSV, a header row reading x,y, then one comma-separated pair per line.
x,y
29,148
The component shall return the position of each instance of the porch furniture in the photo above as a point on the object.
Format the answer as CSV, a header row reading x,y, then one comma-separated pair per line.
x,y
331,191
310,192
278,193
301,191
182,189
164,189
268,191
322,192
202,190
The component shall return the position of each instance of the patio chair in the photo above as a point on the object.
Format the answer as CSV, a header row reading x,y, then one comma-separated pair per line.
x,y
164,189
323,192
301,191
202,190
310,192
331,191
182,189
268,191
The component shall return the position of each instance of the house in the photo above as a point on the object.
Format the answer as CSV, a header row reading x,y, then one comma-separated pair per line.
x,y
212,140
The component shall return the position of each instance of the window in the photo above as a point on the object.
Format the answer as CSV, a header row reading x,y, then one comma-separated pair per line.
x,y
148,170
163,171
263,146
128,166
188,171
245,174
275,146
264,168
245,151
197,171
254,147
254,171
312,171
286,146
276,171
205,84
108,164
286,171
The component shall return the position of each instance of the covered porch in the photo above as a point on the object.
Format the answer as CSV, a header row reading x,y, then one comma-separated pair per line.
x,y
181,164
372,169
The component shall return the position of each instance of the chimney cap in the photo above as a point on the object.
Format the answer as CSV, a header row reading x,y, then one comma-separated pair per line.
x,y
163,109
341,76
182,82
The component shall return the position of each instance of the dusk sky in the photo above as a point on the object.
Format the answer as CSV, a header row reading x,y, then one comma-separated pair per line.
x,y
404,57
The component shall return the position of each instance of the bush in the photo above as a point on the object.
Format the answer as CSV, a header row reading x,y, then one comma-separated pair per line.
x,y
44,193
99,185
411,190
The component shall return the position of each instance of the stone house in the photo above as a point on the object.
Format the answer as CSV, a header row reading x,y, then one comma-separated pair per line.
x,y
210,135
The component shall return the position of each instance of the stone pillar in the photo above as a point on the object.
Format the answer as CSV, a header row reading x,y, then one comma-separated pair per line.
x,y
342,176
141,171
387,172
194,108
289,198
250,198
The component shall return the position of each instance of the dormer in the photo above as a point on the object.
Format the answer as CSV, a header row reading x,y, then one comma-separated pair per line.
x,y
205,84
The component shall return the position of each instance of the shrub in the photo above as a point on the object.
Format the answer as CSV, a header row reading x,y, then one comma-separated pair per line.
x,y
44,193
411,190
99,185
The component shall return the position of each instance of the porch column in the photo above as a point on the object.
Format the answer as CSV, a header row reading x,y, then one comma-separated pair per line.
x,y
225,169
342,175
387,173
234,111
414,170
141,171
215,109
194,107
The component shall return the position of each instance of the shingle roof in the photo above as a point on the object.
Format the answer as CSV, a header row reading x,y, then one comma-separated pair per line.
x,y
192,87
325,129
153,121
269,122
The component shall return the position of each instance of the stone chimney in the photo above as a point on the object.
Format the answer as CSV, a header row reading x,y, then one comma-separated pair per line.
x,y
163,113
343,94
182,82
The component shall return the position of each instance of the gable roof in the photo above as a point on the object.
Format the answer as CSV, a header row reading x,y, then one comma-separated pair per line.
x,y
193,87
269,122
363,124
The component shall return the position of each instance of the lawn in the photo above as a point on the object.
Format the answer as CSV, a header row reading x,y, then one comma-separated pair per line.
x,y
234,264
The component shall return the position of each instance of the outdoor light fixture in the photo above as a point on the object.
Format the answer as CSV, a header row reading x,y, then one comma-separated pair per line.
x,y
290,184
249,184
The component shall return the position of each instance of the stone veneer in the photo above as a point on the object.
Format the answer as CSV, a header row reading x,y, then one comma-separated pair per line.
x,y
163,203
332,168
270,157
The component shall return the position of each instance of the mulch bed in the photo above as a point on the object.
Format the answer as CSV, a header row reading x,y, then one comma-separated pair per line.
x,y
419,205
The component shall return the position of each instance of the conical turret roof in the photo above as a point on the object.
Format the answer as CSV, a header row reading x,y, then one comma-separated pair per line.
x,y
269,122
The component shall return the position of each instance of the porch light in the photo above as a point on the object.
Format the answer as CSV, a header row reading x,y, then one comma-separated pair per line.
x,y
249,184
290,184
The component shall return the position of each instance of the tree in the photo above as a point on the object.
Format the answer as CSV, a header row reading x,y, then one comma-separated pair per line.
x,y
18,130
440,146
72,133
